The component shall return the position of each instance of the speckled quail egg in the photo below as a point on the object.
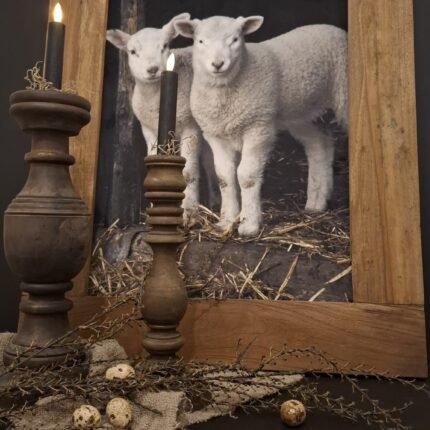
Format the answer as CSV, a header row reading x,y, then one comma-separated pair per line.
x,y
120,371
119,412
293,413
86,417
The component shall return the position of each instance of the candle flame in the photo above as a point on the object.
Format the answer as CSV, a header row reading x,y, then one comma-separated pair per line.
x,y
170,62
58,13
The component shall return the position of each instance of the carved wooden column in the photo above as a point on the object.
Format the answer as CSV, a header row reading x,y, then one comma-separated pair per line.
x,y
47,226
164,298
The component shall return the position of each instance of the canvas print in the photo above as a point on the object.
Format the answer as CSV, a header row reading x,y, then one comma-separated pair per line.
x,y
262,117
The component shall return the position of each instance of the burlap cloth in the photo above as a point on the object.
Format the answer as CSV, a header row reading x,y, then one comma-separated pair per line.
x,y
55,413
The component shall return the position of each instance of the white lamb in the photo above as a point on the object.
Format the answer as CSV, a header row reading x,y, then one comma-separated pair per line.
x,y
147,51
242,94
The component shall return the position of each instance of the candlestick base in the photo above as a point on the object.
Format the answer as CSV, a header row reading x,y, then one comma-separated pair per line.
x,y
163,340
164,299
44,313
46,228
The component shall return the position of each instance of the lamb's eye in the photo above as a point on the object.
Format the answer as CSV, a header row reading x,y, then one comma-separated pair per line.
x,y
235,39
200,41
133,52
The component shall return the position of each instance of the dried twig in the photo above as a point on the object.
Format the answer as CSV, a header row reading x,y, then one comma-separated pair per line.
x,y
251,275
126,276
221,385
35,80
321,234
287,277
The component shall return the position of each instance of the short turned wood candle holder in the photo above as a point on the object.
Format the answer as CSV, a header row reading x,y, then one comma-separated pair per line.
x,y
47,225
164,299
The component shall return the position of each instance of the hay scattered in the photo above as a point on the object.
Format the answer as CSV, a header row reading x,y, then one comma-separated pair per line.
x,y
35,80
126,276
325,234
300,234
173,145
251,275
231,282
331,281
287,277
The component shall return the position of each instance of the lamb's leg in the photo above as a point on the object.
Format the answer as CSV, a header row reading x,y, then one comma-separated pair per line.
x,y
208,165
190,149
225,159
257,144
319,148
150,139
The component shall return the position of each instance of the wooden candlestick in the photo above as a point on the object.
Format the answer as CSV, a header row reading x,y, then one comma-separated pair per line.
x,y
164,299
47,225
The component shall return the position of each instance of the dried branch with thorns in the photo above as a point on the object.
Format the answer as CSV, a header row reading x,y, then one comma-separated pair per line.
x,y
218,385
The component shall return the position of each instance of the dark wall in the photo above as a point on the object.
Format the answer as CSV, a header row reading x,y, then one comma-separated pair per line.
x,y
22,38
422,67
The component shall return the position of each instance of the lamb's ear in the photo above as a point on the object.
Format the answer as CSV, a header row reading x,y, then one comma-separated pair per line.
x,y
170,29
250,24
118,38
186,27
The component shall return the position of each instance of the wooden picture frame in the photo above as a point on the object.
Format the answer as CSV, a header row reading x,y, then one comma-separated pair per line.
x,y
384,328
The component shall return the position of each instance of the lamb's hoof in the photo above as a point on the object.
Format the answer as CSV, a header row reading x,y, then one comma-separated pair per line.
x,y
248,229
313,209
224,225
190,217
224,228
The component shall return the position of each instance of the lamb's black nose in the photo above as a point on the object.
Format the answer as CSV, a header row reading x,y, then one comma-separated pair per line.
x,y
152,70
218,65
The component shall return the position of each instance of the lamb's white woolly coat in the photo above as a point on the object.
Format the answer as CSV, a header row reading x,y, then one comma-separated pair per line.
x,y
284,83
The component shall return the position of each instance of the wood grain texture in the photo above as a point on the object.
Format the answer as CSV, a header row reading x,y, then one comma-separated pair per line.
x,y
387,338
384,195
85,22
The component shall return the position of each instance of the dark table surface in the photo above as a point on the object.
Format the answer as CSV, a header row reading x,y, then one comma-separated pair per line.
x,y
416,416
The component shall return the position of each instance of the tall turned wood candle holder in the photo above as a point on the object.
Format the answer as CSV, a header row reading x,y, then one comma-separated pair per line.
x,y
47,225
164,299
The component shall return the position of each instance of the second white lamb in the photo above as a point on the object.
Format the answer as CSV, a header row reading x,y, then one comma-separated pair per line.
x,y
147,51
